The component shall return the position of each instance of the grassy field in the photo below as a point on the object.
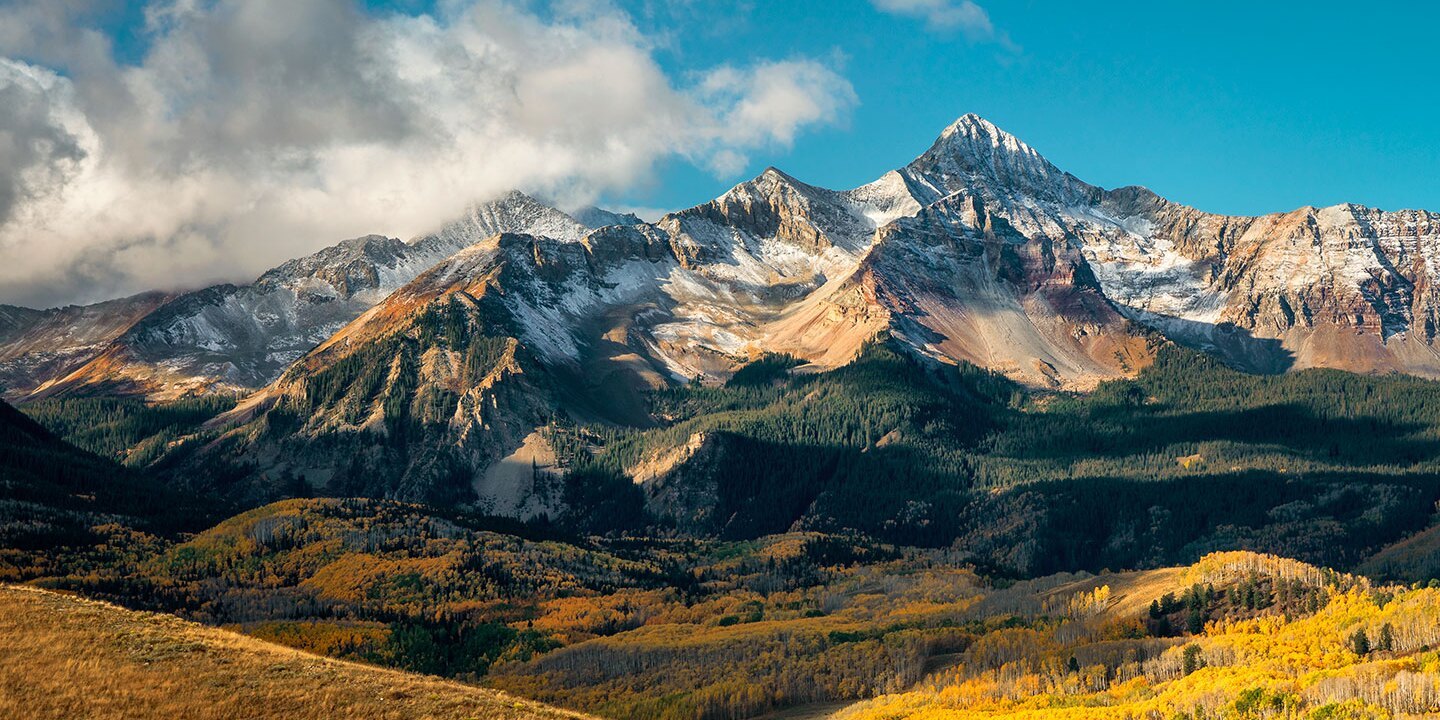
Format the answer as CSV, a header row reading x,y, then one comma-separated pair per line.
x,y
64,657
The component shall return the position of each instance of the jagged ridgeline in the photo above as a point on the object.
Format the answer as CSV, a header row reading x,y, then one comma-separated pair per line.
x,y
978,250
229,339
976,349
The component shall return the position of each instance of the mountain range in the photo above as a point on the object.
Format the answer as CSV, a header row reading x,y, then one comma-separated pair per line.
x,y
975,438
469,341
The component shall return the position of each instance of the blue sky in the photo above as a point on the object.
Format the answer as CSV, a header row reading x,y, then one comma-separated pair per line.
x,y
1234,107
226,136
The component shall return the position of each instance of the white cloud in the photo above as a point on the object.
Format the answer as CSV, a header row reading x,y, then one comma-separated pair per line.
x,y
257,130
963,15
776,99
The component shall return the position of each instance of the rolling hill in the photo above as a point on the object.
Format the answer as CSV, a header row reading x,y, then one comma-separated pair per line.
x,y
63,657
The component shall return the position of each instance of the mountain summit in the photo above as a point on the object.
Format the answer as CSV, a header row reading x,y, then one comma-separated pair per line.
x,y
972,153
230,338
978,250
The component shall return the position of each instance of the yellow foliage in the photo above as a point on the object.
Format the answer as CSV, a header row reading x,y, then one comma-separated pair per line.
x,y
1259,667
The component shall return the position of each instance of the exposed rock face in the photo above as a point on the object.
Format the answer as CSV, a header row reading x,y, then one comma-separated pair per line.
x,y
1344,286
982,266
460,344
962,284
595,217
752,256
680,481
234,339
37,346
978,250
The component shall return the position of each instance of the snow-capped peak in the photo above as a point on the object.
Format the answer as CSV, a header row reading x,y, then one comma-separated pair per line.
x,y
767,183
513,212
971,124
973,152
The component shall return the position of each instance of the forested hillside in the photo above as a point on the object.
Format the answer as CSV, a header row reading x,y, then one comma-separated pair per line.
x,y
1264,638
671,629
125,430
371,580
752,623
62,507
1187,457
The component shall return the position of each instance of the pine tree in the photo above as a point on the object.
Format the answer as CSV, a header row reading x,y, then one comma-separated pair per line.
x,y
1195,621
1190,659
1360,642
1163,628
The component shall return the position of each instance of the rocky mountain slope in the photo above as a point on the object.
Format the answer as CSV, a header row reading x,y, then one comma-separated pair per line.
x,y
1346,286
475,354
408,399
979,251
983,268
229,338
37,346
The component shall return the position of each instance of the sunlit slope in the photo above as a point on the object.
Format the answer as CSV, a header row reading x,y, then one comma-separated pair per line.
x,y
1258,637
63,657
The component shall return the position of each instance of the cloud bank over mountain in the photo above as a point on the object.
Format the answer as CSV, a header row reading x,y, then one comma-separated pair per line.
x,y
252,131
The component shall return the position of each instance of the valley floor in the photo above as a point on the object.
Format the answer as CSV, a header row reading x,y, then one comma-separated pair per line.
x,y
66,657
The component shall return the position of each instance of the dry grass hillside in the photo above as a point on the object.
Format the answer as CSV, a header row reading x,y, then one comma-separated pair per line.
x,y
64,657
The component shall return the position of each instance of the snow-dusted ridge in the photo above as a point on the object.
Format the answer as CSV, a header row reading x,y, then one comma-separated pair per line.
x,y
230,338
980,250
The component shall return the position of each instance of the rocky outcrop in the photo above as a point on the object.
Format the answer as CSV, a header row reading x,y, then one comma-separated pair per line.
x,y
38,346
234,339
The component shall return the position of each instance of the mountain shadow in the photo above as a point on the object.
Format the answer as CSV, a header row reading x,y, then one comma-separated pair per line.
x,y
1237,347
